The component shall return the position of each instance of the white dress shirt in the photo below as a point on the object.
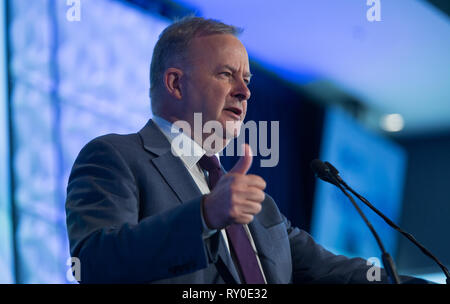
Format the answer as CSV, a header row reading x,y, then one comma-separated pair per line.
x,y
198,174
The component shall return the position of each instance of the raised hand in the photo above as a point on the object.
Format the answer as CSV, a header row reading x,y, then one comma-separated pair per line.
x,y
237,196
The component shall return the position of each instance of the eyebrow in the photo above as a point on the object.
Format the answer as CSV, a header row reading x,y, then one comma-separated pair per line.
x,y
246,74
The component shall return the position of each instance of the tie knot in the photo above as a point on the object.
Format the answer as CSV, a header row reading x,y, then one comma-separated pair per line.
x,y
209,163
212,165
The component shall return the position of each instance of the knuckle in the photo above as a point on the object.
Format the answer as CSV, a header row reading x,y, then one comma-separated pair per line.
x,y
258,208
264,184
251,177
262,181
234,199
234,212
234,187
262,196
258,195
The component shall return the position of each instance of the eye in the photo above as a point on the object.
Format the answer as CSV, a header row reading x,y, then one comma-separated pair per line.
x,y
227,74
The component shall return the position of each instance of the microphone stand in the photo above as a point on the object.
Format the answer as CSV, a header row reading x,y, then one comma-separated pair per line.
x,y
388,262
335,174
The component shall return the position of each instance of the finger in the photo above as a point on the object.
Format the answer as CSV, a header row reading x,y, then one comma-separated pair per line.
x,y
245,162
253,208
247,207
255,194
253,180
244,219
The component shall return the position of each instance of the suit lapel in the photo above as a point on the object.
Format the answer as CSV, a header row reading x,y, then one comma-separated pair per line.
x,y
222,259
177,176
265,250
170,166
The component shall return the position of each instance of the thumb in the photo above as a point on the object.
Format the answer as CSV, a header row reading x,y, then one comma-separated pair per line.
x,y
245,162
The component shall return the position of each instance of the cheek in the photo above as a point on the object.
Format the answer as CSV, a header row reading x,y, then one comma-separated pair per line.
x,y
244,109
217,101
215,108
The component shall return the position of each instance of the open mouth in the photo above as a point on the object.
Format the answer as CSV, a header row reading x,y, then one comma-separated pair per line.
x,y
234,111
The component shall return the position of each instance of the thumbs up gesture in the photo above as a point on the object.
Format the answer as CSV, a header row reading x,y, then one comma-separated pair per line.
x,y
237,196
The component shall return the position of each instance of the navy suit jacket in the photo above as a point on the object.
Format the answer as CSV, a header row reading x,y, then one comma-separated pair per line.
x,y
133,216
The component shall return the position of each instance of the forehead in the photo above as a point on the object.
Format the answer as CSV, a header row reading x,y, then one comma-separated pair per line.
x,y
216,50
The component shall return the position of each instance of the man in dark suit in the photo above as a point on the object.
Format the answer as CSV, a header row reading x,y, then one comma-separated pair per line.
x,y
140,210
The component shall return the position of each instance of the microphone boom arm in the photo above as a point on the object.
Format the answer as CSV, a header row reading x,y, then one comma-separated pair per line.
x,y
335,173
324,173
388,262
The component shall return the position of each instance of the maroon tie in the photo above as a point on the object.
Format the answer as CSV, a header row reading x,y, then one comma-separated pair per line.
x,y
237,237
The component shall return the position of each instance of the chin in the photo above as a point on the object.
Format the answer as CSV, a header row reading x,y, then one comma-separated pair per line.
x,y
233,129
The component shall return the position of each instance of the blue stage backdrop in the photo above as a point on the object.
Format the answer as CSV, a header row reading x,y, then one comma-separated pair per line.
x,y
71,81
6,240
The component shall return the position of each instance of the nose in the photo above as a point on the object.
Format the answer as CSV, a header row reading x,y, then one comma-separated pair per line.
x,y
241,91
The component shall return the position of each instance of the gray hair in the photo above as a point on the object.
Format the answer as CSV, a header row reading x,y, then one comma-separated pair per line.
x,y
173,44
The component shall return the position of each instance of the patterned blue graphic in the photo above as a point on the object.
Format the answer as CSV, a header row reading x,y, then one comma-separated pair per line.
x,y
72,81
6,240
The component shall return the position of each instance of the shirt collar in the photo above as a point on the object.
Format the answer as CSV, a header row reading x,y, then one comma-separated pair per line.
x,y
171,132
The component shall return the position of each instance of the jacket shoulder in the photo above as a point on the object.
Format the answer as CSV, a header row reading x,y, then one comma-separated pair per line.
x,y
123,144
116,140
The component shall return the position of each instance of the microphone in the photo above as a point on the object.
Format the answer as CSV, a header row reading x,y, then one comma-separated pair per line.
x,y
323,172
409,236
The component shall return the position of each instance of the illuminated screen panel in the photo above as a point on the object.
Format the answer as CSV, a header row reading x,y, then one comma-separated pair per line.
x,y
374,167
6,241
72,81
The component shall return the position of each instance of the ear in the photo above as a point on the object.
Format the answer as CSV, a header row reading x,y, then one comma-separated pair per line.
x,y
172,82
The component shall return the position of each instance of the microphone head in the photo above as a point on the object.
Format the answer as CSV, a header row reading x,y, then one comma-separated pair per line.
x,y
332,168
335,173
318,167
322,171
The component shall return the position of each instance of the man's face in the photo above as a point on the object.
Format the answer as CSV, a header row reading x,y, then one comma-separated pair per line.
x,y
216,79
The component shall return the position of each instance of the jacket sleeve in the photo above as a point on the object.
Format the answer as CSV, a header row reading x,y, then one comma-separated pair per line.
x,y
312,263
102,213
